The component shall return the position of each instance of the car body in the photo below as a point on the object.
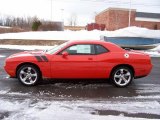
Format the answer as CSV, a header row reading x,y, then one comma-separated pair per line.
x,y
79,59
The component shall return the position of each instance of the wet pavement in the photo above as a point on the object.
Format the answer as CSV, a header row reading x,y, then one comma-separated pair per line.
x,y
90,99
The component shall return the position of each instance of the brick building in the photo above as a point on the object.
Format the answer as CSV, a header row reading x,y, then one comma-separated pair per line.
x,y
116,18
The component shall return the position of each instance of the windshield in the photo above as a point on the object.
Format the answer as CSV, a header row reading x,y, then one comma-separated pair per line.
x,y
55,49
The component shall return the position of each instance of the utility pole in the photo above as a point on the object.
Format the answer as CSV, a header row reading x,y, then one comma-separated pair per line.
x,y
51,10
95,14
129,16
62,17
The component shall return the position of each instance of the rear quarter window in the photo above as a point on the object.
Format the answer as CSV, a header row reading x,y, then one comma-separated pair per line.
x,y
101,49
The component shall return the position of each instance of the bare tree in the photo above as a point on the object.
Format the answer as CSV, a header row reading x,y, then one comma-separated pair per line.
x,y
21,22
25,23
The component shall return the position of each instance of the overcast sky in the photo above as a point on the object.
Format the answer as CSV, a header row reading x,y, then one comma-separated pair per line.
x,y
85,10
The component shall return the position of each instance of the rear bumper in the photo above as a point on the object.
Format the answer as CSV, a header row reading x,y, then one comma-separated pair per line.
x,y
143,72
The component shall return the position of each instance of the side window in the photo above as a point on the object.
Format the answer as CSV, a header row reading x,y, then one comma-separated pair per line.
x,y
84,49
100,49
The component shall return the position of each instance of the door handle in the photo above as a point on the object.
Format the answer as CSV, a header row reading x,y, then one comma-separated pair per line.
x,y
90,58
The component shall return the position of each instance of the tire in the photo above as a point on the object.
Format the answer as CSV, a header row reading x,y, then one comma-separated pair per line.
x,y
122,76
28,75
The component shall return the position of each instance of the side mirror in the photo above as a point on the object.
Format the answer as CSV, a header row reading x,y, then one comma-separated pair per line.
x,y
64,54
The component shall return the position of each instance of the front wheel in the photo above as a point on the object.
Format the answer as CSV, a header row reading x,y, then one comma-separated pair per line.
x,y
122,76
28,75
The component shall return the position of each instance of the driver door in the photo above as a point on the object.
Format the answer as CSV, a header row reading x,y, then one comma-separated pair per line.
x,y
81,62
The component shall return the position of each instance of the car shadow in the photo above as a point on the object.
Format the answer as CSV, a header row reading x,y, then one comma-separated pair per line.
x,y
75,81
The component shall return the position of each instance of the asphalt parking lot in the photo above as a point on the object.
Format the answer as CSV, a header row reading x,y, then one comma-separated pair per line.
x,y
141,99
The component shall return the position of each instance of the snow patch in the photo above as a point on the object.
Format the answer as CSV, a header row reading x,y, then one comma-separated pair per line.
x,y
26,47
70,110
11,106
18,93
148,89
135,32
148,97
3,92
83,34
1,56
153,53
7,92
54,35
4,27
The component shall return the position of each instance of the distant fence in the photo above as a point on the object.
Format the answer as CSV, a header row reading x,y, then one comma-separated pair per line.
x,y
51,26
11,30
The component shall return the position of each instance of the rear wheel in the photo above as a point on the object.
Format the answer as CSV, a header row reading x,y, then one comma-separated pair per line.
x,y
28,75
122,76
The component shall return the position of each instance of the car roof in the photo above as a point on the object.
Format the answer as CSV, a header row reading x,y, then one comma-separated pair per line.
x,y
87,41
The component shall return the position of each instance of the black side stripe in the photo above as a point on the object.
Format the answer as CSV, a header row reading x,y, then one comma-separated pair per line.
x,y
44,58
38,58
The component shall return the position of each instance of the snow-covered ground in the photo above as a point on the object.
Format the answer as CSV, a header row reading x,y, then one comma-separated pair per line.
x,y
80,35
83,34
70,110
34,108
154,52
26,47
55,35
2,56
135,32
4,27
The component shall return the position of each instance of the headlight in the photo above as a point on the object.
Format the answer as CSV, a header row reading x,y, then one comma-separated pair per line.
x,y
4,63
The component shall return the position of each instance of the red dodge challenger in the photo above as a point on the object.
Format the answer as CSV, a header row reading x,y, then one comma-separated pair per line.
x,y
79,59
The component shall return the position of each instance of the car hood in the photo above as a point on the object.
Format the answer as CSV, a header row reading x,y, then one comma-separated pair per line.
x,y
26,53
39,56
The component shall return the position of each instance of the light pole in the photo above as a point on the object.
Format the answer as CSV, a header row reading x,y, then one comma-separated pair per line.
x,y
129,16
